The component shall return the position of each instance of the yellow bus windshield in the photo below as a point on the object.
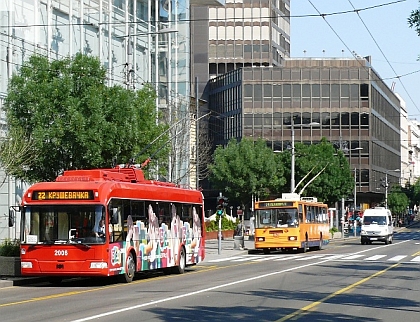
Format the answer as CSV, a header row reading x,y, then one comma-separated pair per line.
x,y
284,217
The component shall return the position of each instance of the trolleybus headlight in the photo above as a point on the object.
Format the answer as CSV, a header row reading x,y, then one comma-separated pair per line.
x,y
292,238
26,264
98,265
261,238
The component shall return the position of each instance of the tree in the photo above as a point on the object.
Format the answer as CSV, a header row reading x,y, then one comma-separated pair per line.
x,y
414,20
244,169
398,201
15,150
416,193
74,121
320,171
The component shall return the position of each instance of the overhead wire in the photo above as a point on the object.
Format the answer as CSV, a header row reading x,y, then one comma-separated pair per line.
x,y
319,14
386,58
347,47
123,22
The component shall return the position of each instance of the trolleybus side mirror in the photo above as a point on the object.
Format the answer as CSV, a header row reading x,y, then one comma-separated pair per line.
x,y
11,217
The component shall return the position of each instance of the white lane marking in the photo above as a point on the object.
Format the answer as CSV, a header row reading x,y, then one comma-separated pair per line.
x,y
248,258
416,259
267,258
334,257
286,258
374,257
309,257
353,257
397,258
223,259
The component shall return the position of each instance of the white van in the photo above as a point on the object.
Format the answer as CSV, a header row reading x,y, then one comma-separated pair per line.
x,y
377,225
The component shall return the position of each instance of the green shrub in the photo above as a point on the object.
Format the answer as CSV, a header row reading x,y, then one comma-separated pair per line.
x,y
226,224
333,231
10,248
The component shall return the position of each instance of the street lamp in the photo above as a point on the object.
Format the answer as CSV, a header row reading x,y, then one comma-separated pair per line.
x,y
386,185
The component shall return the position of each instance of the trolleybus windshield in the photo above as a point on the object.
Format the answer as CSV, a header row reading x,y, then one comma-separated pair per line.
x,y
60,224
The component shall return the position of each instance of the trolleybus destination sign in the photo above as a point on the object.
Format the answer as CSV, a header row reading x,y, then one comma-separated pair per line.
x,y
63,195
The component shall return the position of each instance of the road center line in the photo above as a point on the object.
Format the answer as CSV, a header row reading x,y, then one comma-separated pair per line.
x,y
343,290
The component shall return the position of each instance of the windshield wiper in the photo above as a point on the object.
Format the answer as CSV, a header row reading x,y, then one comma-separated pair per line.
x,y
78,243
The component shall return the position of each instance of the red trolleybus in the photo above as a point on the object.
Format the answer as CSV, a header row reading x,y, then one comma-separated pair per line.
x,y
291,223
148,225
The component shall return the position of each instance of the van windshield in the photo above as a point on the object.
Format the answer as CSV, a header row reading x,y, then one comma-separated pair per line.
x,y
374,220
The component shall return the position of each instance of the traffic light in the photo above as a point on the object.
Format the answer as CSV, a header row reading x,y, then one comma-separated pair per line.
x,y
222,203
220,212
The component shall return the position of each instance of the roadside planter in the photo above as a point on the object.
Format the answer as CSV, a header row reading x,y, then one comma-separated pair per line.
x,y
215,234
10,258
9,266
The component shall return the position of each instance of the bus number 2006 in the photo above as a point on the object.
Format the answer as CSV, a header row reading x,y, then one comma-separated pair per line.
x,y
60,252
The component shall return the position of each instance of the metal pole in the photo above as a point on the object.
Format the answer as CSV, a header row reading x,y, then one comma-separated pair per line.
x,y
219,244
386,189
354,212
342,218
197,141
292,178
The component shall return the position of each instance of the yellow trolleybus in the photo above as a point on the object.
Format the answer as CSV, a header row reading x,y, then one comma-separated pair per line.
x,y
291,223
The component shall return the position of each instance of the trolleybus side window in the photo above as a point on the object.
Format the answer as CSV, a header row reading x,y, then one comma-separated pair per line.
x,y
301,219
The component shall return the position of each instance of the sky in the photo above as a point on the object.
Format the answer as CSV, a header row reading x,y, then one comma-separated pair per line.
x,y
376,28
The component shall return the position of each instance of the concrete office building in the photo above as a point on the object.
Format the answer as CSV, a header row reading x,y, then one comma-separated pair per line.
x,y
354,107
241,33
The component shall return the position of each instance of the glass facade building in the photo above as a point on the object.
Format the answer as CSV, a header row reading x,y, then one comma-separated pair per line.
x,y
346,97
137,41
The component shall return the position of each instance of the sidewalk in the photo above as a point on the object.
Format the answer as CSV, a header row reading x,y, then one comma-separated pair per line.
x,y
227,248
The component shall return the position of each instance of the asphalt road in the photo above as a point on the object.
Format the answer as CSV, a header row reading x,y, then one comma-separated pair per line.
x,y
345,281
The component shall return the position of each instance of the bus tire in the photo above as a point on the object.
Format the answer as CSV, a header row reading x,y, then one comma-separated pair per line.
x,y
305,245
130,268
320,244
266,250
180,268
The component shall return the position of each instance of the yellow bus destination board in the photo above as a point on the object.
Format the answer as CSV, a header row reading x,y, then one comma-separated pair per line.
x,y
63,195
273,204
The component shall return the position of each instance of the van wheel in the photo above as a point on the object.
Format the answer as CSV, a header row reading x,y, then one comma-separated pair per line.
x,y
391,239
387,240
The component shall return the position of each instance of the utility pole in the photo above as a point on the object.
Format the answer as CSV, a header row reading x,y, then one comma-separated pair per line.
x,y
292,176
